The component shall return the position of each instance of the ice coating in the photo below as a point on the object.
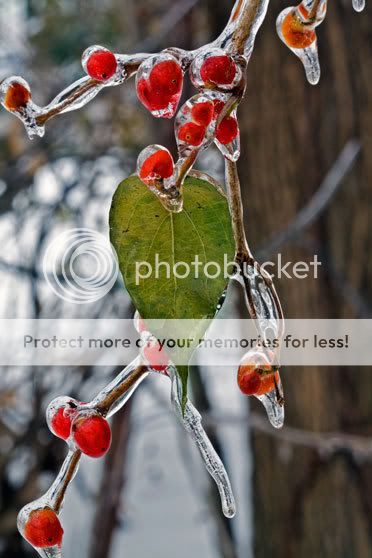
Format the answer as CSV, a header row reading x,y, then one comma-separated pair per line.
x,y
296,28
191,421
52,500
230,150
194,133
214,68
159,82
154,164
274,406
262,303
114,388
359,5
26,110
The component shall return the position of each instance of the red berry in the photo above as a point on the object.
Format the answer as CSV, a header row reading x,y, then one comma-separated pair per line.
x,y
141,325
191,133
218,106
102,65
92,434
153,100
249,379
156,356
43,529
227,130
202,113
16,97
220,70
159,165
61,424
166,78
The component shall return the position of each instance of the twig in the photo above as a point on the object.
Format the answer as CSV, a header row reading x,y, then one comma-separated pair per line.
x,y
319,202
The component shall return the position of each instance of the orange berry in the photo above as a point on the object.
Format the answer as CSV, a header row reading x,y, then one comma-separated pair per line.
x,y
295,33
267,383
43,529
249,379
17,96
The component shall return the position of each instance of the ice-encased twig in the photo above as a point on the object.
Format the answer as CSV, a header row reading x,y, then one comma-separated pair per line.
x,y
191,421
115,395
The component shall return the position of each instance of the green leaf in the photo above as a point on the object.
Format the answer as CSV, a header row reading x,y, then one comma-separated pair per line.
x,y
142,230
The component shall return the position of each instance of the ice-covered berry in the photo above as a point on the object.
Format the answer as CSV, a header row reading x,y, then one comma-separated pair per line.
x,y
202,113
219,70
192,134
295,33
256,375
159,82
43,528
100,63
156,356
227,130
166,78
155,164
59,414
92,434
217,107
15,94
249,379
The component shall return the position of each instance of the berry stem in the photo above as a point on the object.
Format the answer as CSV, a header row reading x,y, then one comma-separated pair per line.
x,y
105,400
57,491
243,253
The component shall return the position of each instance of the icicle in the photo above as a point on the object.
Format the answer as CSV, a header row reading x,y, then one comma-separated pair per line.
x,y
214,68
274,406
228,137
261,302
359,5
192,422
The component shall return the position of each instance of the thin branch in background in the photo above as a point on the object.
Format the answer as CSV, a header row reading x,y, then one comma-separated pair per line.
x,y
318,203
173,17
325,443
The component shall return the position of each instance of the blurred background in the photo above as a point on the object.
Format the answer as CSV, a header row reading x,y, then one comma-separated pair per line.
x,y
298,494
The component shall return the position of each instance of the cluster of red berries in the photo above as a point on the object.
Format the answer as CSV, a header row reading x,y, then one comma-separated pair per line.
x,y
16,95
159,83
154,163
202,114
257,379
89,430
43,529
99,63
